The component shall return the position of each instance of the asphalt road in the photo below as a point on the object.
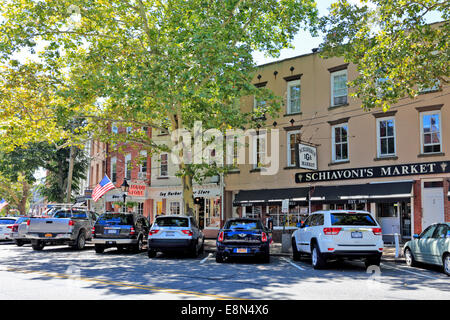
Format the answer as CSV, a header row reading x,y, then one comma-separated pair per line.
x,y
62,273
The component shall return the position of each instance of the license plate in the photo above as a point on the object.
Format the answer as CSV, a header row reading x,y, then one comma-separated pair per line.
x,y
48,235
170,233
357,235
110,242
241,250
112,231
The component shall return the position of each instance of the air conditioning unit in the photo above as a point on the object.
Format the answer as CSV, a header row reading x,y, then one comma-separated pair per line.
x,y
142,175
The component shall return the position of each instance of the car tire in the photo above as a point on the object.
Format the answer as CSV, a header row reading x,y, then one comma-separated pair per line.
x,y
219,258
318,261
19,243
296,255
99,248
81,241
446,264
37,246
409,258
139,246
193,252
372,261
151,253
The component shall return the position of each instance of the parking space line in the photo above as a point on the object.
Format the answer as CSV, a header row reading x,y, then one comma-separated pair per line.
x,y
409,271
293,264
204,260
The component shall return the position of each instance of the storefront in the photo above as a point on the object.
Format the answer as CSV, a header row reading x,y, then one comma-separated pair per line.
x,y
207,205
136,200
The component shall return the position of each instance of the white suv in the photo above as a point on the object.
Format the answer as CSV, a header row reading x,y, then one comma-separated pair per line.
x,y
327,235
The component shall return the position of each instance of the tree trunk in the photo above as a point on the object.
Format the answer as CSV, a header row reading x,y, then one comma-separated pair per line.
x,y
22,205
188,195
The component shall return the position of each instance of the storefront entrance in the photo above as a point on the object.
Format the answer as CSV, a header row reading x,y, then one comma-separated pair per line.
x,y
432,203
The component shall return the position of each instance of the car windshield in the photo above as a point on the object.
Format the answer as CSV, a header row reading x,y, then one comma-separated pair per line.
x,y
244,225
23,219
352,219
119,219
7,221
172,222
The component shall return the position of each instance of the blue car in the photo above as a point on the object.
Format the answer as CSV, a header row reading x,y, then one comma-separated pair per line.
x,y
243,237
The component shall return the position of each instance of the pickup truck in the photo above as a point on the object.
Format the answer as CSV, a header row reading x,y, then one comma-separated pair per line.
x,y
66,226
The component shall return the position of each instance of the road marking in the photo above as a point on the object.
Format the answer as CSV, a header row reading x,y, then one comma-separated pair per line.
x,y
204,260
293,264
125,284
416,273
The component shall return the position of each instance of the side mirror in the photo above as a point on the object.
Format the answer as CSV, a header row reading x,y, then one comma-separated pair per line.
x,y
416,236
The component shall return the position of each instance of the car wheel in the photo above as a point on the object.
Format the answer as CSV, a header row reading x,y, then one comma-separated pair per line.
x,y
19,243
372,261
296,256
194,251
37,246
151,253
139,246
446,261
81,241
409,258
99,248
219,258
318,261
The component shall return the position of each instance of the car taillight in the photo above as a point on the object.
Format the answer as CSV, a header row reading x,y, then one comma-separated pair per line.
x,y
263,237
331,231
152,232
93,230
376,231
132,231
15,228
9,227
220,238
71,223
188,232
28,222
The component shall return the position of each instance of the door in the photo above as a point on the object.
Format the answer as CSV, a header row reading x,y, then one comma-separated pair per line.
x,y
423,249
389,219
439,243
305,234
432,204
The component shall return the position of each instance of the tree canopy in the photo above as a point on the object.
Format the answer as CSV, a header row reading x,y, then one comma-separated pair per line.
x,y
397,52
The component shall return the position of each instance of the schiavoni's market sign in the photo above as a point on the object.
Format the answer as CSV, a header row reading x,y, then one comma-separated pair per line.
x,y
374,172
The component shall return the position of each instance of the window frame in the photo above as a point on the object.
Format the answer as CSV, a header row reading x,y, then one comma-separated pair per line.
x,y
379,154
256,140
290,84
114,169
126,170
288,145
161,165
332,76
333,143
422,133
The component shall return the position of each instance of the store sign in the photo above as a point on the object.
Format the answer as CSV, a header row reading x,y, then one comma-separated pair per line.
x,y
137,190
375,172
176,194
307,157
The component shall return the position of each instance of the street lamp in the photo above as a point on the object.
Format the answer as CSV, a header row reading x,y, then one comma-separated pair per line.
x,y
125,186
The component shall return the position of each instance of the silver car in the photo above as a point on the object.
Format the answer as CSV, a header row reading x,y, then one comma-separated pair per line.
x,y
175,233
432,246
6,225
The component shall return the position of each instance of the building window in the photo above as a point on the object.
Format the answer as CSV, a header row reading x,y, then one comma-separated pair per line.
x,y
339,88
435,87
174,207
259,150
293,97
140,208
114,169
340,142
431,132
293,139
143,167
253,212
128,166
386,137
164,166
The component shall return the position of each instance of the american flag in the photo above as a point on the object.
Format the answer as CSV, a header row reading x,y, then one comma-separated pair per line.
x,y
3,204
103,187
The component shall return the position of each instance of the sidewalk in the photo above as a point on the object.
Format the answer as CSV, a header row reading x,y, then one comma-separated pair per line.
x,y
275,250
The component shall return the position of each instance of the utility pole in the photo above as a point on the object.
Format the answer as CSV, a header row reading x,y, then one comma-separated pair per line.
x,y
69,178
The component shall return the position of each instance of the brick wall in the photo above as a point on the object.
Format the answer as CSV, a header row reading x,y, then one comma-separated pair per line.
x,y
446,200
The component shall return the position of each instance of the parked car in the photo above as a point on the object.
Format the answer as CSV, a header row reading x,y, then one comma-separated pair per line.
x,y
327,235
432,246
66,226
175,233
6,225
120,230
243,237
19,230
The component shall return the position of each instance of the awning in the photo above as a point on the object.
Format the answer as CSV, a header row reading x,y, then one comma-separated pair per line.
x,y
375,192
268,196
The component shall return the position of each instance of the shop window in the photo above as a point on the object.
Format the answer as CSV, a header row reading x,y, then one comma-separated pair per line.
x,y
140,208
296,214
385,210
212,213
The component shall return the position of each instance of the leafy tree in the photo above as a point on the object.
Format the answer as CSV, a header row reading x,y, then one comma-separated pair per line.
x,y
396,51
160,64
